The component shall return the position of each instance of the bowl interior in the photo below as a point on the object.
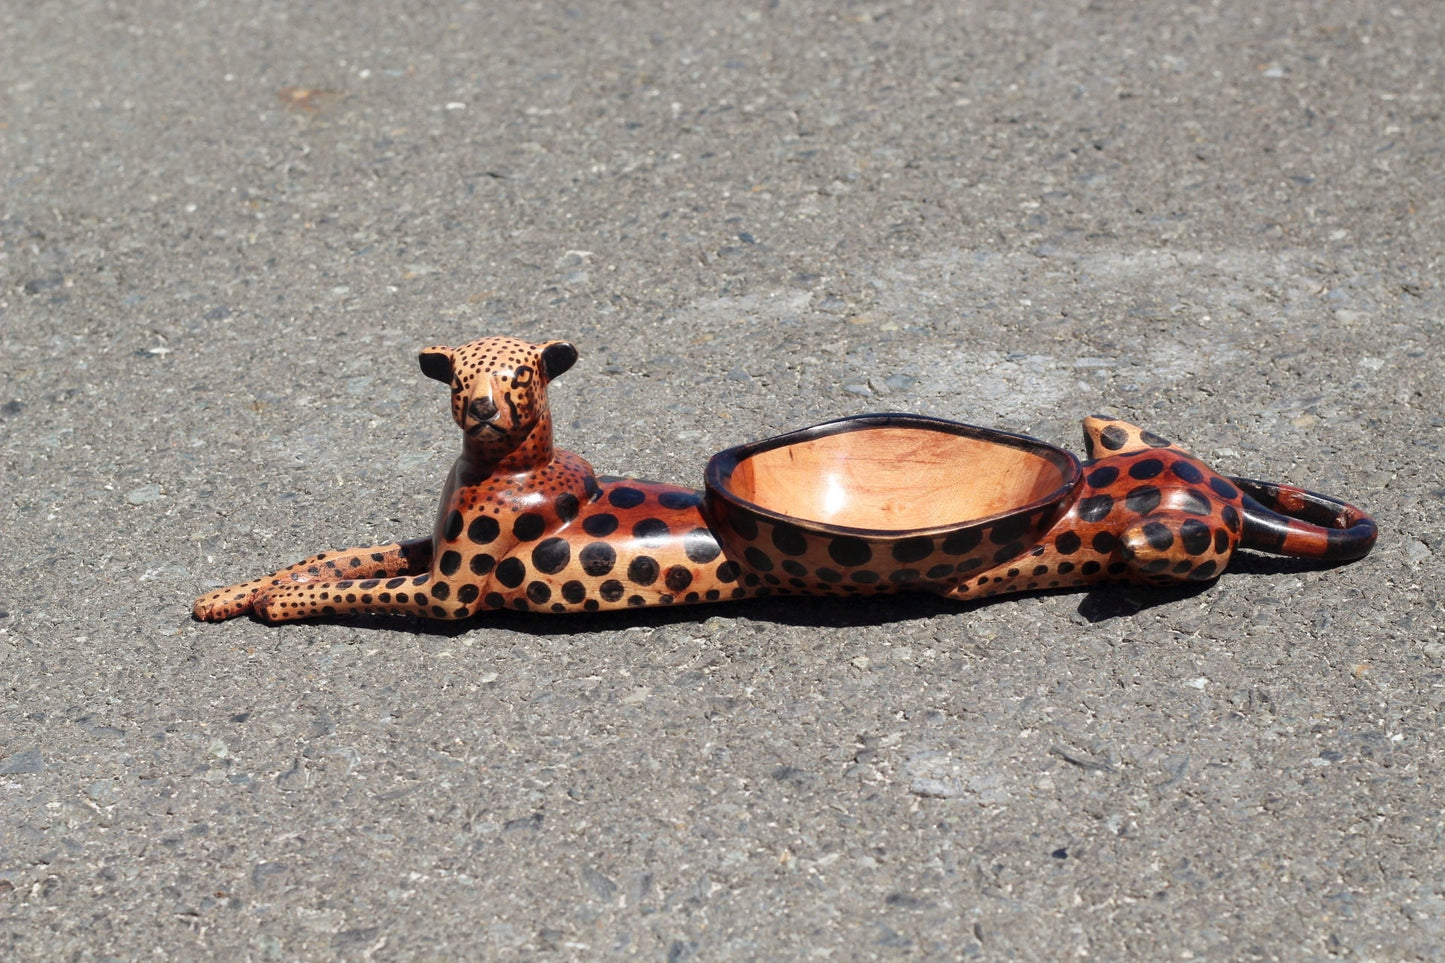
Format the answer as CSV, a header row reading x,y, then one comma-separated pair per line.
x,y
895,478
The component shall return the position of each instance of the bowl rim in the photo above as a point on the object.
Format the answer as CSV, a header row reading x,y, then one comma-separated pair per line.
x,y
721,466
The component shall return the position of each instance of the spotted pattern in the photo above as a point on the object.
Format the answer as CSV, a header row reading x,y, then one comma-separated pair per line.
x,y
521,525
526,527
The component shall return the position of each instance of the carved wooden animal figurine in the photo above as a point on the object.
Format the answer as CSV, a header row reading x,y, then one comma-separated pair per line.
x,y
877,503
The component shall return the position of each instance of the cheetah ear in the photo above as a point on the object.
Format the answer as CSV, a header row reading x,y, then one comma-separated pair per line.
x,y
557,357
436,362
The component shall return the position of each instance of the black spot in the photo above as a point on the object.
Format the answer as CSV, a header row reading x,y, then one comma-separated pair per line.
x,y
1095,507
789,540
1104,542
962,541
454,525
402,597
712,595
467,594
528,526
1117,568
1221,541
794,567
1142,500
1230,517
539,592
1146,468
448,563
1090,568
483,530
1102,477
642,571
1188,471
1158,535
913,549
849,551
677,578
601,525
1155,565
743,523
1009,530
1113,437
591,605
441,590
865,577
728,571
902,575
1223,488
1195,536
758,559
551,556
637,601
1012,550
511,572
940,571
1068,543
494,600
574,591
651,532
1155,441
1181,567
1204,571
699,546
567,506
370,583
829,575
396,583
969,564
1193,502
1040,570
611,590
625,497
597,559
678,500
1065,568
482,564
520,605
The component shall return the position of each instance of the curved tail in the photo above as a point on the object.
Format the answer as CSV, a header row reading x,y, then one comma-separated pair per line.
x,y
1284,520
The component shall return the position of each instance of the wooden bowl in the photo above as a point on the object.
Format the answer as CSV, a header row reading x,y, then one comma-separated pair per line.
x,y
883,503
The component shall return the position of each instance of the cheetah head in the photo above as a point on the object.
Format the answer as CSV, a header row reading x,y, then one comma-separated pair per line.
x,y
499,391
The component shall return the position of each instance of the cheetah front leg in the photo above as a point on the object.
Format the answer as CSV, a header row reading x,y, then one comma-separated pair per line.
x,y
396,559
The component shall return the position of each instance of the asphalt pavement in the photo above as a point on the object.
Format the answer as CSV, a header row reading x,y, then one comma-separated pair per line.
x,y
225,231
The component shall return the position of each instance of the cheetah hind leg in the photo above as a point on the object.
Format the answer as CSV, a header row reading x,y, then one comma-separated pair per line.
x,y
1169,546
380,561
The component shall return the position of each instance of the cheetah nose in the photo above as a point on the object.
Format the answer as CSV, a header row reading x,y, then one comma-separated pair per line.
x,y
482,409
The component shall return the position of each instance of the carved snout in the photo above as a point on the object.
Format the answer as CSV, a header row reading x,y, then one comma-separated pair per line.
x,y
482,410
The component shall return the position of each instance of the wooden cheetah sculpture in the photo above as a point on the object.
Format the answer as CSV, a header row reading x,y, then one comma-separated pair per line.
x,y
524,526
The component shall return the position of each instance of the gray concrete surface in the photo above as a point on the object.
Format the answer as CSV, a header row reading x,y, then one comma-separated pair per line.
x,y
228,227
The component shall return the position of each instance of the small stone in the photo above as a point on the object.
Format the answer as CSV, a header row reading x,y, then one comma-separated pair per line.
x,y
144,495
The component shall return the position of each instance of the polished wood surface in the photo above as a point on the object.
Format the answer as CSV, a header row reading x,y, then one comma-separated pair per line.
x,y
894,479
